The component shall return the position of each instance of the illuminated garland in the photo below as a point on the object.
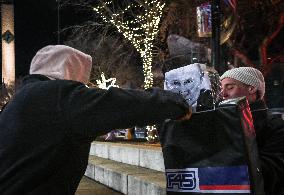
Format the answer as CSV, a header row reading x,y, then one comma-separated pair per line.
x,y
140,30
152,136
103,83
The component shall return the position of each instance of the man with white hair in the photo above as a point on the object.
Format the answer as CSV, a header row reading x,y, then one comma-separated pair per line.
x,y
249,82
47,128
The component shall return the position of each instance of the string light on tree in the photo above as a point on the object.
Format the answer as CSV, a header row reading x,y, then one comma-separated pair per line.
x,y
140,29
152,136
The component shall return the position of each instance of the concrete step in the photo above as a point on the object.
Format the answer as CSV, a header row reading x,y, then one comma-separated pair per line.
x,y
139,154
125,178
88,186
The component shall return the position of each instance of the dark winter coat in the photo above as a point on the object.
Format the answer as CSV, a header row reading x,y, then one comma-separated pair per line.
x,y
46,130
270,140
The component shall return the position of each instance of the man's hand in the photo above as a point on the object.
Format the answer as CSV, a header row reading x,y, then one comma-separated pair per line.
x,y
187,116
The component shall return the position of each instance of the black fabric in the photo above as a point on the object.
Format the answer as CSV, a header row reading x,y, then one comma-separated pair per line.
x,y
3,107
47,128
270,140
205,100
224,137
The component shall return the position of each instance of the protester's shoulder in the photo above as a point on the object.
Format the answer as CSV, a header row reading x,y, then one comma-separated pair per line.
x,y
67,83
38,86
66,87
45,82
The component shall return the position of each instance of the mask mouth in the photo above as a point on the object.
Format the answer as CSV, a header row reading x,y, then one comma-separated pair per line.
x,y
187,93
189,96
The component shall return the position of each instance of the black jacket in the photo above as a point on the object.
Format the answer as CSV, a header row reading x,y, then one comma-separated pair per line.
x,y
270,141
47,128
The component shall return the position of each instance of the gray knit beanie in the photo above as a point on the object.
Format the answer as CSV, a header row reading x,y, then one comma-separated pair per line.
x,y
248,76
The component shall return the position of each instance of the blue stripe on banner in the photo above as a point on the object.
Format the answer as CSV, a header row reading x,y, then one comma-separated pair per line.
x,y
235,175
210,180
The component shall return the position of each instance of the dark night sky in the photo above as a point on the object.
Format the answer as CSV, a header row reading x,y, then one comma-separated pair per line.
x,y
36,25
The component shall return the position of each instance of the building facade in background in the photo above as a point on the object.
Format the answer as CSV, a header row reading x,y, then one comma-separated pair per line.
x,y
7,43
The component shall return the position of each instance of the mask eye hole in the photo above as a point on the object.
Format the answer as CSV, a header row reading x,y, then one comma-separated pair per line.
x,y
187,81
177,83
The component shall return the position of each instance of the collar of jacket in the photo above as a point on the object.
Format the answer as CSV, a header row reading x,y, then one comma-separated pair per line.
x,y
258,110
259,114
34,77
258,106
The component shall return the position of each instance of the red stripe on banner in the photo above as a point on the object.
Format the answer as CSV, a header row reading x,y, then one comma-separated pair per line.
x,y
224,187
233,4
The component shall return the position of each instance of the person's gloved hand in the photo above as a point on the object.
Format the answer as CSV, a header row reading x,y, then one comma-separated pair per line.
x,y
187,116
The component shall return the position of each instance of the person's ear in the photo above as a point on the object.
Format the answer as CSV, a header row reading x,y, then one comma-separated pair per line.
x,y
252,90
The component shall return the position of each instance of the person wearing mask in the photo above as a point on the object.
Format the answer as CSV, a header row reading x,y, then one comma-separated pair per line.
x,y
249,82
48,126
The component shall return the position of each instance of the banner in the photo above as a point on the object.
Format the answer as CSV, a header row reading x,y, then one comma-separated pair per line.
x,y
215,152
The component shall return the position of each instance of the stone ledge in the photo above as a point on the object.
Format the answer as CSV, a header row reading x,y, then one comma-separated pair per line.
x,y
125,178
133,154
88,186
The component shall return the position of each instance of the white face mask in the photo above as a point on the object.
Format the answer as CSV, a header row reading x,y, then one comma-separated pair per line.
x,y
187,81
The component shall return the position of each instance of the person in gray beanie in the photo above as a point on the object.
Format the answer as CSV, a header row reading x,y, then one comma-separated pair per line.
x,y
243,81
47,128
249,82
